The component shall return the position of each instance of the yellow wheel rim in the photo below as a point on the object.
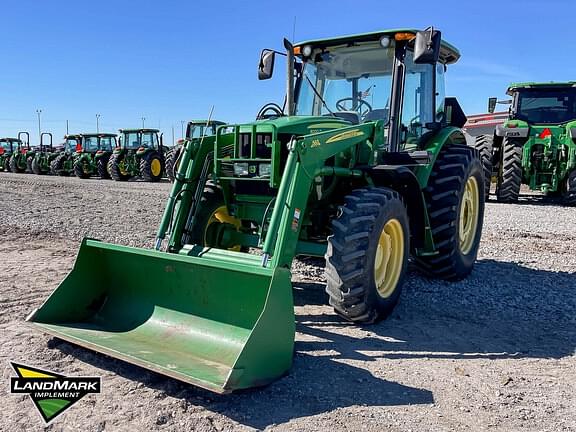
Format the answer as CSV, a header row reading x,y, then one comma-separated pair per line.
x,y
389,258
221,215
469,212
156,167
122,168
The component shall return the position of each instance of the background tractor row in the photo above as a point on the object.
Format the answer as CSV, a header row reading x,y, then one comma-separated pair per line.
x,y
85,155
11,146
536,144
365,164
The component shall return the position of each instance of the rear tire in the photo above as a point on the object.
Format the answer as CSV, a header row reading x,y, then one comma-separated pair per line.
x,y
485,144
14,165
102,167
359,289
79,170
510,176
57,166
569,195
172,162
456,223
152,167
36,167
114,168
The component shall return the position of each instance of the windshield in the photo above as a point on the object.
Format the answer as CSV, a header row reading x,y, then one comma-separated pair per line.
x,y
6,145
71,144
547,105
357,78
131,140
90,144
107,143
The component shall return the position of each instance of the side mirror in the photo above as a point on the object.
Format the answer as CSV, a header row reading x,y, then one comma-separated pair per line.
x,y
266,65
427,46
492,104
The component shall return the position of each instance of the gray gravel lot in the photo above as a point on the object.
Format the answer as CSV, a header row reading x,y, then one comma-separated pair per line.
x,y
493,352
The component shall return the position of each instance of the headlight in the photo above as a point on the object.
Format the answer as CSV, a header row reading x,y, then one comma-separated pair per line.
x,y
306,50
384,41
241,169
264,170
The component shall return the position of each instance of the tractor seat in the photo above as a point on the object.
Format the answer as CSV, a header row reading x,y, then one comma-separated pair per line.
x,y
377,114
351,116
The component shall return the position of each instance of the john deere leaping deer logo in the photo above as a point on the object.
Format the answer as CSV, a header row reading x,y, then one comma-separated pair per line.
x,y
51,393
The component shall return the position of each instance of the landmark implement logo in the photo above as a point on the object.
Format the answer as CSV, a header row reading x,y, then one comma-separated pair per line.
x,y
51,393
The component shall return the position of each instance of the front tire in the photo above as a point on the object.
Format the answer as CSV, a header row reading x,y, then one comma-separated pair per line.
x,y
36,167
102,167
79,170
14,165
152,167
510,176
455,201
367,255
485,144
172,162
29,161
115,168
569,195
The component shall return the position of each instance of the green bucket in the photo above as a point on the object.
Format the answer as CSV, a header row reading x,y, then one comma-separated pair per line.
x,y
222,322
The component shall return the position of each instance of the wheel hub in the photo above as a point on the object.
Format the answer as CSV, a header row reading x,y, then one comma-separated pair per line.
x,y
389,258
469,210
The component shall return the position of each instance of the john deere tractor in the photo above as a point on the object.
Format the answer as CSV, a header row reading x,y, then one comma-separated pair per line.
x,y
140,153
7,147
536,145
63,164
195,129
365,164
92,156
21,159
44,156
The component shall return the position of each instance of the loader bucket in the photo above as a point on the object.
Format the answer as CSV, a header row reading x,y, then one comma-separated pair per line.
x,y
222,323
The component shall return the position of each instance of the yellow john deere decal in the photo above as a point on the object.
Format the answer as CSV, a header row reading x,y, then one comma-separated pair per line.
x,y
345,135
326,126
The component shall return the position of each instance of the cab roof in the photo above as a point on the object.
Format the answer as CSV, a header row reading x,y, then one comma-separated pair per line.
x,y
448,53
138,130
9,139
528,85
100,134
203,122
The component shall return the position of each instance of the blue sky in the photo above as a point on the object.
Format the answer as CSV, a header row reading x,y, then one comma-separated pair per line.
x,y
172,60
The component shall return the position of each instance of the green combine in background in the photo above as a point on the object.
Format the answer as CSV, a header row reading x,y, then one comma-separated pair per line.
x,y
536,146
365,164
195,129
140,154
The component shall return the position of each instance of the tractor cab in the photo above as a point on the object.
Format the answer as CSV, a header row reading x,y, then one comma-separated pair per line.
x,y
140,140
140,153
198,128
8,145
543,104
98,143
72,143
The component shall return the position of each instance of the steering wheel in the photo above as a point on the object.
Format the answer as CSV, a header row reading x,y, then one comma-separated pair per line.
x,y
361,102
276,111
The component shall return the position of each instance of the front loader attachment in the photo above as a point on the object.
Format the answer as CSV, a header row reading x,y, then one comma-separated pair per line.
x,y
223,323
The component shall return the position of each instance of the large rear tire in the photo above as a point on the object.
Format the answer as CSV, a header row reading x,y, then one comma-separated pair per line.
x,y
367,255
455,201
57,166
172,162
115,168
569,195
36,167
510,176
152,167
79,170
14,165
485,144
102,167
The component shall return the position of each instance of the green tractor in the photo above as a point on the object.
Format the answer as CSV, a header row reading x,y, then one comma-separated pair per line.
x,y
21,159
366,165
92,156
140,153
43,157
7,147
536,145
63,164
195,129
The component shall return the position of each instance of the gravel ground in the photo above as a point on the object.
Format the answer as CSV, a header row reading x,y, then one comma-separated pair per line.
x,y
493,352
